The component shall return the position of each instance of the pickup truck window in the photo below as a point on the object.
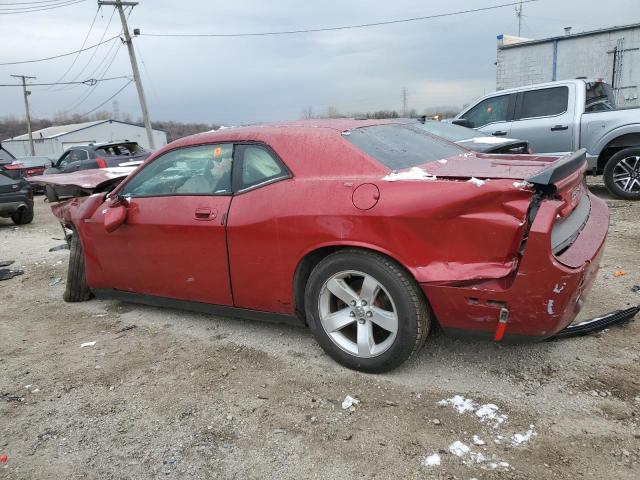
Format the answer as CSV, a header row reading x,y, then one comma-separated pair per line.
x,y
600,97
494,109
545,102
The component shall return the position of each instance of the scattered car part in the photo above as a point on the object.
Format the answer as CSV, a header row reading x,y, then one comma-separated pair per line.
x,y
6,274
617,317
6,263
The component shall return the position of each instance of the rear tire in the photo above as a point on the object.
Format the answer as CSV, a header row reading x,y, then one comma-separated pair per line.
x,y
372,328
622,174
23,216
77,289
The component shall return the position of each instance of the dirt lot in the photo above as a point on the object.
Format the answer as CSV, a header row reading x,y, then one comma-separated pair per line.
x,y
181,395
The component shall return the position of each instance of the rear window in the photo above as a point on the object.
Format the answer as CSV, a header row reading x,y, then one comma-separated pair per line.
x,y
401,146
544,102
449,131
600,97
5,156
117,150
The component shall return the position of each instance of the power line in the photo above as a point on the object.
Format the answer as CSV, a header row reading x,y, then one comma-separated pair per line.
x,y
343,27
109,99
61,55
89,82
40,8
84,42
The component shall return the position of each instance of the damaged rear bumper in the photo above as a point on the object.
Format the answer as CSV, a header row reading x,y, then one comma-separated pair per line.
x,y
542,297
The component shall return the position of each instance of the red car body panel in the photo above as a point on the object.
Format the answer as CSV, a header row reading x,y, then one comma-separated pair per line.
x,y
460,241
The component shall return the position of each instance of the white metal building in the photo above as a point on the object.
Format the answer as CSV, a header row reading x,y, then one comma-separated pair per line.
x,y
612,54
52,141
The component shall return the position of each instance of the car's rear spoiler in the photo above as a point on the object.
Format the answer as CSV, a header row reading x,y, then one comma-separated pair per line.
x,y
560,168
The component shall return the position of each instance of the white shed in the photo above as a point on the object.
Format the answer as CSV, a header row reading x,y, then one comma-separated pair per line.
x,y
52,141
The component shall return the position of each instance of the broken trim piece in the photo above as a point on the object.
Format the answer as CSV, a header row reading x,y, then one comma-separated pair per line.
x,y
617,317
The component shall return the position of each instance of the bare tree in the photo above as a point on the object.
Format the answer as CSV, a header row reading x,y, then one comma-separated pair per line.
x,y
307,112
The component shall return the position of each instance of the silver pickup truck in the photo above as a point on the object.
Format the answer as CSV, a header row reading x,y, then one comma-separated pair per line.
x,y
564,116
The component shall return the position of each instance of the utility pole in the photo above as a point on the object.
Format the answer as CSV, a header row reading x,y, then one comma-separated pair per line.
x,y
404,102
519,15
26,108
119,4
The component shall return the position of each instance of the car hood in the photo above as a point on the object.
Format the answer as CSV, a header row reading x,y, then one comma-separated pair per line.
x,y
86,181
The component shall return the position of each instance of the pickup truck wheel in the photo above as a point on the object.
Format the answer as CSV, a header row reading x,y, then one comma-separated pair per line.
x,y
23,217
622,174
366,311
77,289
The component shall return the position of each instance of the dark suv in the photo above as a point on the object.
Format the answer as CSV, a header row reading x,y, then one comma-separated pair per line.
x,y
16,199
98,155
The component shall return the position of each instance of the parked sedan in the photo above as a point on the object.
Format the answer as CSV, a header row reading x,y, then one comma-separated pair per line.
x,y
98,155
26,166
474,140
16,199
370,232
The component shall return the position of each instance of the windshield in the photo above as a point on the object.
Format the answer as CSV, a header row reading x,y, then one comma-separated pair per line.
x,y
399,146
448,131
600,97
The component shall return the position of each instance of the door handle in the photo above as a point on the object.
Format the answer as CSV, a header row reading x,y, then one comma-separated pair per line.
x,y
499,133
557,128
203,213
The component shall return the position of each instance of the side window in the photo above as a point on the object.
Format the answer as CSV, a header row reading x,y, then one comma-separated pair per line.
x,y
259,166
64,160
494,109
545,102
201,170
77,155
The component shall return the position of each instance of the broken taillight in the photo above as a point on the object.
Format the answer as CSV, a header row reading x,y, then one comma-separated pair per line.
x,y
102,163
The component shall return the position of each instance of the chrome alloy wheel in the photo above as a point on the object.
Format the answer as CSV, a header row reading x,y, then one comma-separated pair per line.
x,y
626,174
358,314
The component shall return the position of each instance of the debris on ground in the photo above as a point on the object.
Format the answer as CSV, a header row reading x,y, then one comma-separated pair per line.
x,y
87,344
8,397
520,438
6,263
619,273
64,246
3,458
349,402
125,328
432,460
6,274
55,281
635,289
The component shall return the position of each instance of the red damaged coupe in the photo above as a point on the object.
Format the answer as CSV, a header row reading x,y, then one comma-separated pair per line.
x,y
368,231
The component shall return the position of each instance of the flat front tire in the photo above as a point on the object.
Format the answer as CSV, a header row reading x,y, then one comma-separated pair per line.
x,y
77,289
622,174
366,311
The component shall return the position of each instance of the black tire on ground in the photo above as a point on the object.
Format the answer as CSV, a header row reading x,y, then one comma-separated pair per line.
x,y
620,163
77,289
23,216
412,310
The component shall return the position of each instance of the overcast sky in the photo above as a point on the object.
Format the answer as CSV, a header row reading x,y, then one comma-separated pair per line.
x,y
441,62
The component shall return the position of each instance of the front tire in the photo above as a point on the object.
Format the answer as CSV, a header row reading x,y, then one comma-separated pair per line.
x,y
77,289
622,174
366,311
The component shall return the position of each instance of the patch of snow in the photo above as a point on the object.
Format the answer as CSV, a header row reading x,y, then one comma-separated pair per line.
x,y
432,460
489,140
522,184
476,181
477,457
27,386
414,173
478,441
346,133
35,390
348,401
459,403
459,449
87,344
443,161
490,413
520,438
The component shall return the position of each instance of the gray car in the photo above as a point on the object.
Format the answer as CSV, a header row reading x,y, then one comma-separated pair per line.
x,y
564,116
98,155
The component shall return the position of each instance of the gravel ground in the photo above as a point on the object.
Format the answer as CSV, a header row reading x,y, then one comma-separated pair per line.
x,y
181,395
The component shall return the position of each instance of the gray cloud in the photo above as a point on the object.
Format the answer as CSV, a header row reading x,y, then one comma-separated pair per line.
x,y
447,61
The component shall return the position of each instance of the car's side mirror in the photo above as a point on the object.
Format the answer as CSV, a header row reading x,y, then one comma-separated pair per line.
x,y
116,214
463,122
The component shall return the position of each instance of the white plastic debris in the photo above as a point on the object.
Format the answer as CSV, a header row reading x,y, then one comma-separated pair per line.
x,y
346,133
459,449
442,161
35,390
522,184
460,403
520,438
349,402
488,140
87,344
478,441
414,173
476,181
432,460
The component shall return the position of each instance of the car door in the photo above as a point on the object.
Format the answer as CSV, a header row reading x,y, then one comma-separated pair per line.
x,y
173,243
544,117
74,160
492,115
254,229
